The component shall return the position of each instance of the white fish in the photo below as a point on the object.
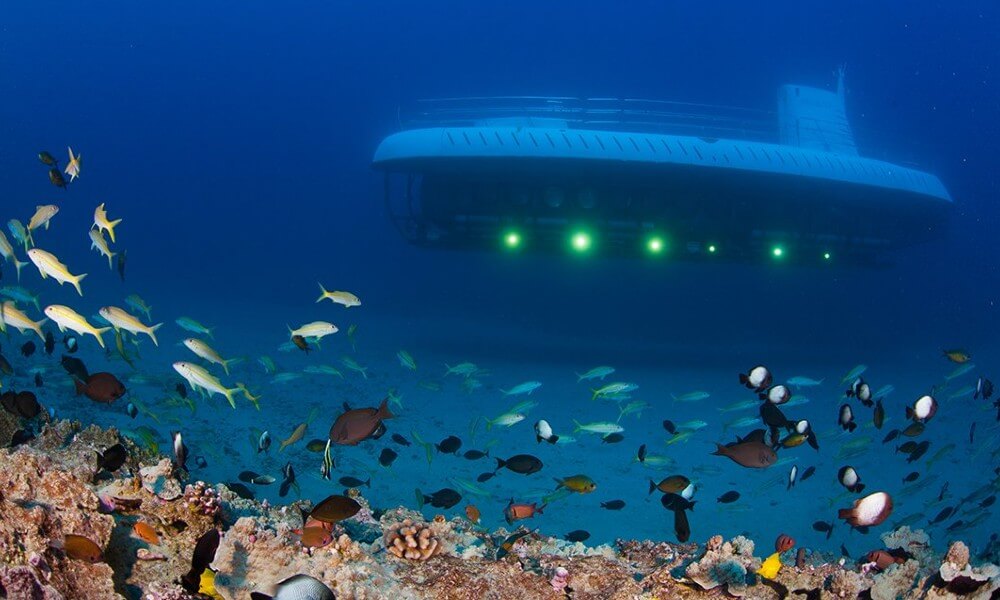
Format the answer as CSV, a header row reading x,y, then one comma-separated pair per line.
x,y
696,396
406,360
200,379
205,351
7,251
347,299
523,388
49,266
543,431
102,223
20,321
67,318
97,241
600,427
316,329
43,214
595,373
73,168
119,319
506,419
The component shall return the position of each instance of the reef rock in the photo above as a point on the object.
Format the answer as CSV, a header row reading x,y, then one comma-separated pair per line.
x,y
729,566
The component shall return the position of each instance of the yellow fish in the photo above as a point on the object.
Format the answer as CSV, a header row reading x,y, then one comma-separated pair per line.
x,y
206,585
577,483
49,266
10,315
101,222
771,566
73,168
97,241
43,214
957,356
296,436
346,298
67,318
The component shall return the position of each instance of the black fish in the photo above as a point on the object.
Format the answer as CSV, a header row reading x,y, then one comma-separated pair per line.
x,y
353,482
5,366
773,417
681,526
578,535
911,477
75,367
112,458
181,390
807,473
56,178
204,554
613,504
941,516
70,343
944,489
402,441
180,450
38,380
844,552
730,496
525,464
21,404
47,159
920,450
21,436
443,498
288,481
956,525
449,445
241,490
972,432
813,594
890,436
131,410
484,477
823,527
878,416
676,502
121,264
386,457
988,502
670,427
612,438
28,349
50,343
248,476
475,454
984,389
641,454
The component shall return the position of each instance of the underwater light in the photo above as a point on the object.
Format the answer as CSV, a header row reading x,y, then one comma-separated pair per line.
x,y
512,239
655,244
712,248
777,252
581,241
826,256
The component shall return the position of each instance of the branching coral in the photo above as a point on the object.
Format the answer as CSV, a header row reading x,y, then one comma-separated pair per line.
x,y
201,498
414,541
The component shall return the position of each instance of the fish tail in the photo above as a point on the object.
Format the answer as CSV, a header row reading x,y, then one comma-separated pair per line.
x,y
18,265
421,499
652,486
720,450
323,292
228,393
368,482
383,410
500,464
489,424
76,283
553,439
579,377
579,427
111,255
111,229
152,336
595,394
100,331
80,387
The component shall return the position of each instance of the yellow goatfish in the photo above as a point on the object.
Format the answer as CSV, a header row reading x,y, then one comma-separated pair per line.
x,y
20,321
120,319
43,214
198,378
97,241
346,298
102,223
205,351
7,251
48,265
316,329
73,168
67,318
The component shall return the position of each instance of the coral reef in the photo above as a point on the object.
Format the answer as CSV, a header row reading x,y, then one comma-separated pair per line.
x,y
50,487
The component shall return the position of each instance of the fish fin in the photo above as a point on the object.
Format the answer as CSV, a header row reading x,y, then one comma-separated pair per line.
x,y
652,486
720,450
323,293
553,439
100,331
76,283
500,464
383,409
228,393
17,265
152,335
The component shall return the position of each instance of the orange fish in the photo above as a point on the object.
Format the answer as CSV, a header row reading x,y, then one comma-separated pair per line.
x,y
146,533
472,513
316,537
81,548
516,512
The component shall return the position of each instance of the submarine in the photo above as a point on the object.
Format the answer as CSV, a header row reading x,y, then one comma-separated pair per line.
x,y
638,178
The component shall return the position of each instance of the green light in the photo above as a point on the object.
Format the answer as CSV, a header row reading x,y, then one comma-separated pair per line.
x,y
581,241
826,256
778,252
712,248
512,239
655,244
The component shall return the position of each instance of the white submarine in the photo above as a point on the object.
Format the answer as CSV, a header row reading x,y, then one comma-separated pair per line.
x,y
641,177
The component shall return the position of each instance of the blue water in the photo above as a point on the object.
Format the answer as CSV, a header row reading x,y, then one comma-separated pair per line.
x,y
236,144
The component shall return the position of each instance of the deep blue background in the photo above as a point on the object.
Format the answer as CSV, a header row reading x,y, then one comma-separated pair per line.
x,y
235,140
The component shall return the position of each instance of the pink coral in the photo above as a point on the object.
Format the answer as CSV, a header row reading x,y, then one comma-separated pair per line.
x,y
560,580
202,498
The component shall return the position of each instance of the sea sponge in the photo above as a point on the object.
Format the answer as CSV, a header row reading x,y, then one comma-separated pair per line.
x,y
414,541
